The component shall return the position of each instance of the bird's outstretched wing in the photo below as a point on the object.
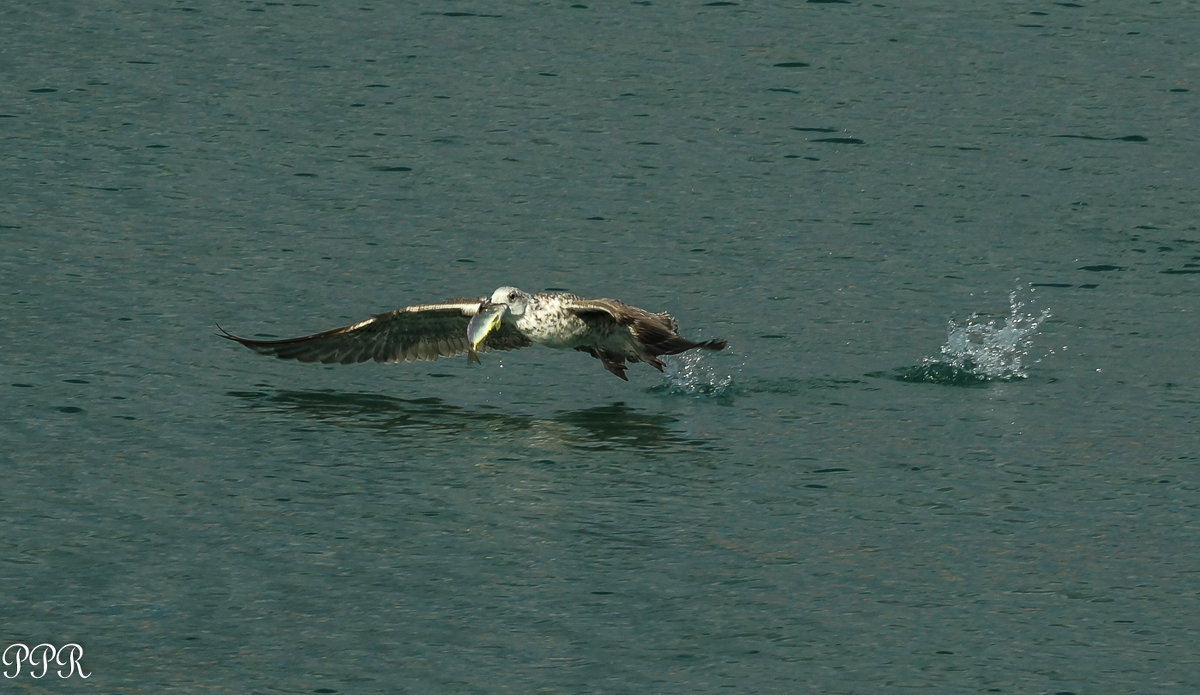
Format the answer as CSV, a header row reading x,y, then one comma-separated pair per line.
x,y
420,332
657,332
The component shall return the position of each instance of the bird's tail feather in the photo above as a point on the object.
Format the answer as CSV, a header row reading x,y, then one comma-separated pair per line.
x,y
676,345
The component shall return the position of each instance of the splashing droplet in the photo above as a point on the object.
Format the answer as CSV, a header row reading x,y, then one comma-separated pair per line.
x,y
979,351
690,374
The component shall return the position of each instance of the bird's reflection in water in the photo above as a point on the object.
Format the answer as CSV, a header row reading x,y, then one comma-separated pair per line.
x,y
618,426
615,426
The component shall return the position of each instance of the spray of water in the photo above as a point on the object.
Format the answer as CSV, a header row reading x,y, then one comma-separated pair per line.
x,y
690,374
982,350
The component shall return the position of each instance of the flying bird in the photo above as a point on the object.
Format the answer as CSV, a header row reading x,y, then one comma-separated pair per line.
x,y
611,331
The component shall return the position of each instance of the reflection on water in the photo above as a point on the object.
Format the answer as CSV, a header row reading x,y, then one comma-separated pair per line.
x,y
616,426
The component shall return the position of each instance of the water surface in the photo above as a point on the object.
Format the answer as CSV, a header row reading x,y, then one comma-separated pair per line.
x,y
951,447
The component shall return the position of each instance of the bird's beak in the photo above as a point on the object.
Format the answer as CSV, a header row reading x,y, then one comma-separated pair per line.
x,y
481,325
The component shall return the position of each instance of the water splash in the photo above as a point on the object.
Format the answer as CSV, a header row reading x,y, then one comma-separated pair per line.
x,y
689,373
980,351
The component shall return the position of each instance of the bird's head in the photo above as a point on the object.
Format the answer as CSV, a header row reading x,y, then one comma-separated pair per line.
x,y
504,303
512,298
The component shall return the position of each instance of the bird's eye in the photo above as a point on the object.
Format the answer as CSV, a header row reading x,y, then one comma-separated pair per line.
x,y
512,296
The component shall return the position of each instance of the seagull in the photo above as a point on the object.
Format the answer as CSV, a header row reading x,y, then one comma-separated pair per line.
x,y
609,330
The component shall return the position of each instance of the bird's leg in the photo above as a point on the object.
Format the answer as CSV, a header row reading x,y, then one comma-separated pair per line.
x,y
615,367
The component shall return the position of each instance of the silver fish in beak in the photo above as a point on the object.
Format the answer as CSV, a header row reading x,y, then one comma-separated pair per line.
x,y
481,326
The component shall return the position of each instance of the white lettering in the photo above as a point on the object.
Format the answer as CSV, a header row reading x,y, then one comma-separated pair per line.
x,y
73,653
44,655
21,654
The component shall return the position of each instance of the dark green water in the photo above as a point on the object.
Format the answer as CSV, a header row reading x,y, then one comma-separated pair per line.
x,y
897,478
